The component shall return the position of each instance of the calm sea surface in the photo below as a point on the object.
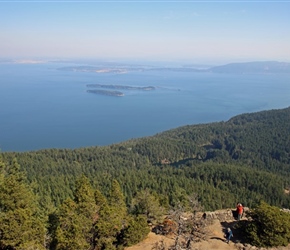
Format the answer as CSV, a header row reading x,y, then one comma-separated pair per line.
x,y
42,107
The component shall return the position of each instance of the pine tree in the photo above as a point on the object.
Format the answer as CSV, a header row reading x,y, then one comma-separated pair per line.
x,y
148,205
21,226
68,233
111,220
268,226
76,218
135,231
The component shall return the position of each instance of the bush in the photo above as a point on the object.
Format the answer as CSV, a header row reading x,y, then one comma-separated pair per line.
x,y
268,226
136,230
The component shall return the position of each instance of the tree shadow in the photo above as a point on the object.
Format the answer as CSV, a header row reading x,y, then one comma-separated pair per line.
x,y
235,214
217,238
236,227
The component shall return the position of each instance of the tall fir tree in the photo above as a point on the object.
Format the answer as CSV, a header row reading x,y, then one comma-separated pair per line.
x,y
76,218
112,219
21,225
145,203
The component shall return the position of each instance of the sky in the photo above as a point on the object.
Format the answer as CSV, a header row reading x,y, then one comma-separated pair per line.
x,y
191,31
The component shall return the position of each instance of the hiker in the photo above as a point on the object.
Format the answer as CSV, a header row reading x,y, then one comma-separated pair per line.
x,y
240,211
229,234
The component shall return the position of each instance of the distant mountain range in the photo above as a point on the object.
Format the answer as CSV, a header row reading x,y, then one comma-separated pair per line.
x,y
232,68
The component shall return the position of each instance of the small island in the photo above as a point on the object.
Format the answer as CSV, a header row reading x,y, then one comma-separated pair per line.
x,y
111,86
106,92
102,89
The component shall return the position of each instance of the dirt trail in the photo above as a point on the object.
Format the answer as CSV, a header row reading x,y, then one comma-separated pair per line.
x,y
215,240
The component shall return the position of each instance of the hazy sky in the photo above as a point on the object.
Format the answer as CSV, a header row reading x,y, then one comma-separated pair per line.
x,y
196,31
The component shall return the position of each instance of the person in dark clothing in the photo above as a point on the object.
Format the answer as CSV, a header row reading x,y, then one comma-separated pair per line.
x,y
229,235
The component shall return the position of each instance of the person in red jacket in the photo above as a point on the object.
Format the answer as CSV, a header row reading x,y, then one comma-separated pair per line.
x,y
240,211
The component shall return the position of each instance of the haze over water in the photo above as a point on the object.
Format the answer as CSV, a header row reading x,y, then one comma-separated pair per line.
x,y
43,107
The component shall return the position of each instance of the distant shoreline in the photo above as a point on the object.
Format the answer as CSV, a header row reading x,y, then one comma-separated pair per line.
x,y
254,67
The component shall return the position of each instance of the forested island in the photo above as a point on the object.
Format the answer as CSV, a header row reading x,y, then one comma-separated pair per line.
x,y
106,92
100,88
112,86
104,197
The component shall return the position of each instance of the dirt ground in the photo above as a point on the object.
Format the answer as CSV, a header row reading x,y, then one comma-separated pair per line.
x,y
214,241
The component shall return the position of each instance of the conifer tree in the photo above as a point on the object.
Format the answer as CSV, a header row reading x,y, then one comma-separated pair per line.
x,y
148,205
268,226
68,233
135,231
76,218
100,199
21,226
111,220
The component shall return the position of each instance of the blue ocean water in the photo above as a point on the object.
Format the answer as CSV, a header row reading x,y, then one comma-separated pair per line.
x,y
43,107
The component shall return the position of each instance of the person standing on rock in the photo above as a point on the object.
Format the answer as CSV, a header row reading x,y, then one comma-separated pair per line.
x,y
229,235
240,211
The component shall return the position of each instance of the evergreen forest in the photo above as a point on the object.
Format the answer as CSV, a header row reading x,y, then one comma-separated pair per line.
x,y
103,197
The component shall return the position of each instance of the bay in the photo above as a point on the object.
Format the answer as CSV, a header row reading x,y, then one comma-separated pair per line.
x,y
43,107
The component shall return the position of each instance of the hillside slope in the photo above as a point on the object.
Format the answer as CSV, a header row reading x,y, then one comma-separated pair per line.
x,y
260,140
246,158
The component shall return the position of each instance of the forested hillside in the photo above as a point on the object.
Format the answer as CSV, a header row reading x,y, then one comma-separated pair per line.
x,y
246,158
103,197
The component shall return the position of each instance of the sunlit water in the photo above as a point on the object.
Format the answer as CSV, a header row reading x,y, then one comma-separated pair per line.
x,y
42,107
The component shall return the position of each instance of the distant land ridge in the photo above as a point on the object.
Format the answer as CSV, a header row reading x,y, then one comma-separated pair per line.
x,y
253,67
259,67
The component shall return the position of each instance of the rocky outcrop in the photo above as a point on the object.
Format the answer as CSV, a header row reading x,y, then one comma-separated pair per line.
x,y
223,215
227,217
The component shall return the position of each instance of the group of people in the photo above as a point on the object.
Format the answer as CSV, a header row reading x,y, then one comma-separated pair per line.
x,y
240,211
